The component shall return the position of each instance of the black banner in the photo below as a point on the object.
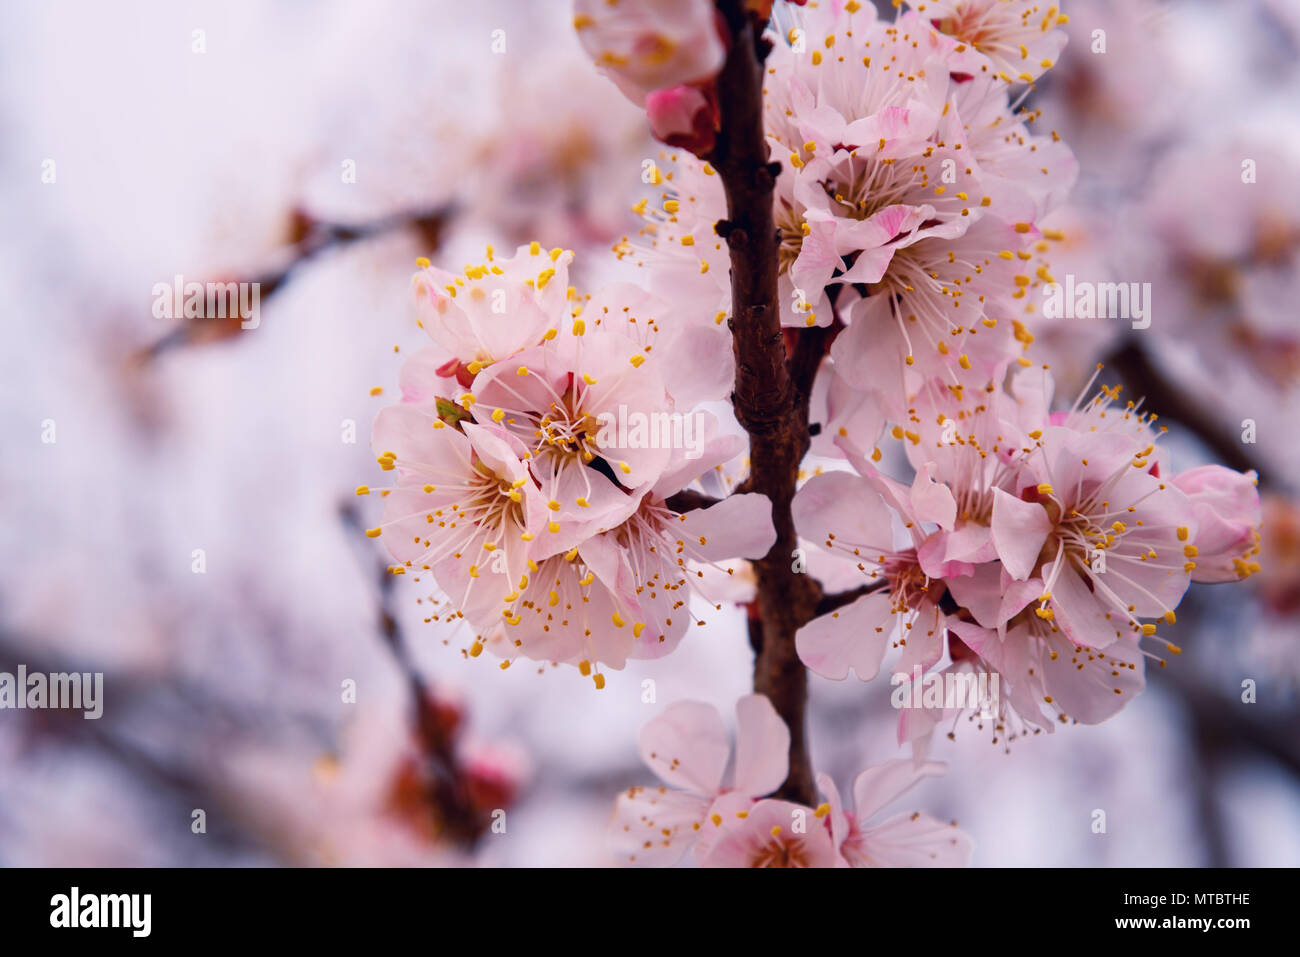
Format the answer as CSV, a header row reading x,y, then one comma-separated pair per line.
x,y
215,907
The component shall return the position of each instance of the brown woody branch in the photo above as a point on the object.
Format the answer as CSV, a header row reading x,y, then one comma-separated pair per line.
x,y
688,500
836,600
769,403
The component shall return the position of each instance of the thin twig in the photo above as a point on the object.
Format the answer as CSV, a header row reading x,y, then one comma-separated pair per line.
x,y
312,239
831,602
462,822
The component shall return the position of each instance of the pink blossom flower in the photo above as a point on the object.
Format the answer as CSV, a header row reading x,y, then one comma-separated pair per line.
x,y
776,833
914,194
1056,536
1025,174
686,261
1014,40
645,45
848,516
687,748
1228,518
560,407
773,833
1039,666
905,840
941,307
603,407
1077,240
463,506
586,422
920,194
493,310
625,593
1093,518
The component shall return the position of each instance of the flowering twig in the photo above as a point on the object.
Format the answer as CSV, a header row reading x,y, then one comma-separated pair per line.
x,y
767,400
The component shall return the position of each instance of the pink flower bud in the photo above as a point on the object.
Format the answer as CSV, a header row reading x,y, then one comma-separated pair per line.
x,y
683,116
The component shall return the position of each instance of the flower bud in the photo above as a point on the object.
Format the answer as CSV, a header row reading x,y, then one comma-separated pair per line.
x,y
683,116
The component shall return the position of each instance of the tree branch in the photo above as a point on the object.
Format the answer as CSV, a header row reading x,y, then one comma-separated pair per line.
x,y
831,602
688,500
310,238
766,399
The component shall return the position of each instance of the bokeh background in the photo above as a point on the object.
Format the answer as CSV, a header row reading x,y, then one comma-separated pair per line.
x,y
474,123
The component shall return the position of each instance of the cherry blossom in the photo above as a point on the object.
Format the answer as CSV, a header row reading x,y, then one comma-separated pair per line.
x,y
1044,546
1014,40
848,516
918,215
646,45
773,833
494,309
736,826
687,748
905,840
625,592
463,504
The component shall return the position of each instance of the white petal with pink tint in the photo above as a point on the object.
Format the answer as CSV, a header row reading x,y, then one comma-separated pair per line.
x,y
687,747
1019,530
762,747
654,827
877,787
915,840
773,834
739,526
855,636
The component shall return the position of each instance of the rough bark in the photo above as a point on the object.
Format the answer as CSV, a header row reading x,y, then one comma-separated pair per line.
x,y
769,403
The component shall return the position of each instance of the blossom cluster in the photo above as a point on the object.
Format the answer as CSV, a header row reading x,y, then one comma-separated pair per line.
x,y
1040,546
735,826
908,199
548,527
1037,545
